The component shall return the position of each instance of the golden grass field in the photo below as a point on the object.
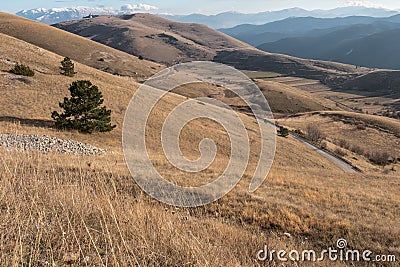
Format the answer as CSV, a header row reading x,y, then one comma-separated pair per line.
x,y
351,99
378,134
70,210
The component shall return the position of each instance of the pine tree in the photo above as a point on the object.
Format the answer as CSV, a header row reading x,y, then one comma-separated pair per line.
x,y
284,132
21,69
67,67
83,111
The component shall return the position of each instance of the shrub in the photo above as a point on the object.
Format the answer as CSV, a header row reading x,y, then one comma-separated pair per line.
x,y
344,144
361,126
284,132
380,158
358,150
22,70
83,111
314,134
67,67
140,57
299,132
340,152
324,145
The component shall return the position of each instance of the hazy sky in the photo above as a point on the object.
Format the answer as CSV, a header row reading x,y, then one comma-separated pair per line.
x,y
198,6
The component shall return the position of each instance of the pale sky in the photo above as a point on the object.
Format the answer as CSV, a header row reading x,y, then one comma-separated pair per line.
x,y
199,6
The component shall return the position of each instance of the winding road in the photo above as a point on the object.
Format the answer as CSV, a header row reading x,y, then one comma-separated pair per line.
x,y
346,167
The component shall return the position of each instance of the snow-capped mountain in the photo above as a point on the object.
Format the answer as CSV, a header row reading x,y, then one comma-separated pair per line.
x,y
55,15
222,20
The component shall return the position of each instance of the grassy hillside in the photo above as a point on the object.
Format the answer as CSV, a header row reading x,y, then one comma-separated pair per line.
x,y
153,37
170,42
86,210
282,99
255,60
373,93
356,136
77,48
287,99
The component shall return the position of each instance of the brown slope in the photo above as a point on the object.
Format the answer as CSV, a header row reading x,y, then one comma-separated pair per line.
x,y
304,194
79,49
286,99
377,83
255,60
170,42
153,37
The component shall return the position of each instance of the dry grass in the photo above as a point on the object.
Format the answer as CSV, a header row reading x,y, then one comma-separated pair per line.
x,y
56,211
75,47
288,99
372,96
283,99
71,210
376,135
88,210
387,124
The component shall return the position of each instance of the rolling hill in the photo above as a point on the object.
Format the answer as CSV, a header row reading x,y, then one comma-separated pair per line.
x,y
77,48
145,35
153,37
170,42
65,209
222,20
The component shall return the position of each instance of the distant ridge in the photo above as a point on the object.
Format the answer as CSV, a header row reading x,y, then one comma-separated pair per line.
x,y
222,20
55,15
231,19
347,40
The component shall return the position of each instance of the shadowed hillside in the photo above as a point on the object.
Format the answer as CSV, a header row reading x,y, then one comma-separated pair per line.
x,y
371,45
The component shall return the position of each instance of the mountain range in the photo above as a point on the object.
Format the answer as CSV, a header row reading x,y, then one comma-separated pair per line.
x,y
293,27
370,45
55,15
357,40
231,19
222,20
